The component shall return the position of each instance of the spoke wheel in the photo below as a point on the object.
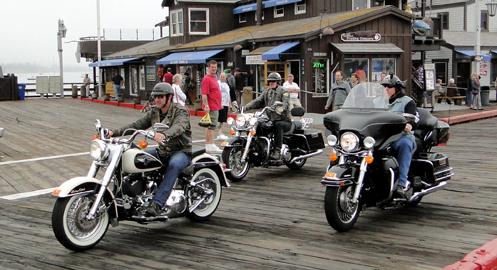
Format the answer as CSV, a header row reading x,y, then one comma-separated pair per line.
x,y
232,156
72,228
341,213
208,189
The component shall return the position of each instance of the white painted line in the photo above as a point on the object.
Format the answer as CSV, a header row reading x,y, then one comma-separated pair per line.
x,y
42,158
27,194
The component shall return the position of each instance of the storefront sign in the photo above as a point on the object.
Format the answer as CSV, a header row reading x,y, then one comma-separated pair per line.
x,y
361,36
254,60
151,73
320,54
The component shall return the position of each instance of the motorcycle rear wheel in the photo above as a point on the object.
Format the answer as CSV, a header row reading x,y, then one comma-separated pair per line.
x,y
208,180
232,156
71,227
340,212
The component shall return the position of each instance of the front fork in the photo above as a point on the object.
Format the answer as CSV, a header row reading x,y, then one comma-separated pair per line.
x,y
247,146
360,179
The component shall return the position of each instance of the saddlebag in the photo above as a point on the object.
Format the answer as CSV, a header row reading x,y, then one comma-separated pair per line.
x,y
433,167
314,139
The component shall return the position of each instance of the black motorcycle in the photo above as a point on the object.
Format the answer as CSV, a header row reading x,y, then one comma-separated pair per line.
x,y
363,170
253,142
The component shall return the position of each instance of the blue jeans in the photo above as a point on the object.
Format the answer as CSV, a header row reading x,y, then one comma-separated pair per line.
x,y
469,97
117,89
175,163
404,148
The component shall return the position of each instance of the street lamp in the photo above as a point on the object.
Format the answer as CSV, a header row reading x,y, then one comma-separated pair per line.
x,y
326,31
60,35
492,9
237,47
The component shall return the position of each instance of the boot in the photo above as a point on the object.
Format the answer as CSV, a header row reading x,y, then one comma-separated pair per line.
x,y
276,154
153,210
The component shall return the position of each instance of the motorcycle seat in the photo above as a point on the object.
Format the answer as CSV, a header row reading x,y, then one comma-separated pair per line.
x,y
427,123
298,111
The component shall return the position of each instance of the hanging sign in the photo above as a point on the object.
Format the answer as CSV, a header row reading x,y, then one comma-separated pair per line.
x,y
361,36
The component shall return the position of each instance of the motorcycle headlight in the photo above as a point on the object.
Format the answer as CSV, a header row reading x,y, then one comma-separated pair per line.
x,y
369,142
349,142
332,140
240,120
99,150
252,121
230,121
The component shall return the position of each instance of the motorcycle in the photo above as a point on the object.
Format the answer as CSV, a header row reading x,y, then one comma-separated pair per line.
x,y
253,141
86,205
363,170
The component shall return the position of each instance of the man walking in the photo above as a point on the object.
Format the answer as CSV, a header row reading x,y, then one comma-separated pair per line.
x,y
339,92
211,99
117,80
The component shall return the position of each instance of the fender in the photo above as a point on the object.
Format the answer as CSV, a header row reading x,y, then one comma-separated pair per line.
x,y
208,161
338,176
83,185
237,141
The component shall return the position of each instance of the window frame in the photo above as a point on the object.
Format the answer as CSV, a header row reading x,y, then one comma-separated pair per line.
x,y
142,77
484,20
445,18
240,20
279,8
297,11
206,21
178,25
368,4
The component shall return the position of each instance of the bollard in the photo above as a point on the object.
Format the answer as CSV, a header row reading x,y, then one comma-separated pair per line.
x,y
137,100
120,98
74,91
83,91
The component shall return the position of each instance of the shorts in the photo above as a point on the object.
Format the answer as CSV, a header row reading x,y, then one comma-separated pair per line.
x,y
294,102
223,115
214,115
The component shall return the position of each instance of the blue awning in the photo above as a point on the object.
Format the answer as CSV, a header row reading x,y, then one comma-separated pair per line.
x,y
273,3
111,63
472,53
245,8
274,54
188,57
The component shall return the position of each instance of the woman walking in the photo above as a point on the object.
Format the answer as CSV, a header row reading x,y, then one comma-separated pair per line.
x,y
179,96
476,91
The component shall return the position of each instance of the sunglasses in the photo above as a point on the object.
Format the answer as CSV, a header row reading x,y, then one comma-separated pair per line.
x,y
159,96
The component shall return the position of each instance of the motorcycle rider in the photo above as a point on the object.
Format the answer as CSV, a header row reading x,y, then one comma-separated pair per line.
x,y
403,147
175,144
279,116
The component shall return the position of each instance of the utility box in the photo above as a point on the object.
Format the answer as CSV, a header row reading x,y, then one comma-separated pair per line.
x,y
47,84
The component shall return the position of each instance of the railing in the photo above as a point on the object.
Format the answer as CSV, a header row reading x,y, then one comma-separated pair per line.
x,y
30,91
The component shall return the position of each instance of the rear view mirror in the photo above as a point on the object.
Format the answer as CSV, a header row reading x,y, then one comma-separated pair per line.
x,y
159,127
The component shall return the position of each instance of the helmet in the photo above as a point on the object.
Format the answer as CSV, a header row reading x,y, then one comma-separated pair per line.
x,y
162,89
274,77
393,81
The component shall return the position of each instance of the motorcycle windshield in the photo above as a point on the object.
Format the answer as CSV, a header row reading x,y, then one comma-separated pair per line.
x,y
367,95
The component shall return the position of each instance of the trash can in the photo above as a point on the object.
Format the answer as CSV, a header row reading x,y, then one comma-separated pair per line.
x,y
22,90
485,95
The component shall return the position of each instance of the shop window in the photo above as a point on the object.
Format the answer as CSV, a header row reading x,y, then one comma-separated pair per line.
x,y
381,65
279,67
242,17
279,11
319,76
199,21
142,77
441,71
352,65
177,23
300,8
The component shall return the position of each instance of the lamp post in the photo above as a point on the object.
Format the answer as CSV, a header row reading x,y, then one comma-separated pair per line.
x,y
60,35
492,8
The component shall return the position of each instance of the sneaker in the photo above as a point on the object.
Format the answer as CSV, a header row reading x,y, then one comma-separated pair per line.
x,y
153,210
213,149
222,137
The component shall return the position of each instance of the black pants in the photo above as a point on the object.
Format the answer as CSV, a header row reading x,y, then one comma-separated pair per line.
x,y
188,97
280,127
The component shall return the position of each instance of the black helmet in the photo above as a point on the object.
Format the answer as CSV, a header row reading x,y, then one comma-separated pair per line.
x,y
393,81
274,77
162,89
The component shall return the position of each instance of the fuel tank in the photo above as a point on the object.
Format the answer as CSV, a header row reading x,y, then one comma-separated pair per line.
x,y
137,161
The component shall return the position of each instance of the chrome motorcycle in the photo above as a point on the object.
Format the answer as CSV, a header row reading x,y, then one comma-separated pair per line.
x,y
363,169
129,179
253,141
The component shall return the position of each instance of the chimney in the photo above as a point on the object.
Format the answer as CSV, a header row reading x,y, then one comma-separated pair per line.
x,y
258,13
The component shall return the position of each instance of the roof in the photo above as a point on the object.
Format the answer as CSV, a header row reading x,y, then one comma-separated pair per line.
x,y
439,2
368,48
166,3
150,49
295,29
467,39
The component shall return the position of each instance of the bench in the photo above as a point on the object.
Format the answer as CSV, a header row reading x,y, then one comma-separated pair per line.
x,y
457,99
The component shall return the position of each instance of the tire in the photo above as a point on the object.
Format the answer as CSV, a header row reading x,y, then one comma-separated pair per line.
x,y
340,212
211,202
70,227
232,157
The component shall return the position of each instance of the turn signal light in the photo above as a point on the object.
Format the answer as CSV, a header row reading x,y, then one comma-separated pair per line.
x,y
369,159
95,137
232,132
224,143
142,144
56,192
333,157
252,132
330,175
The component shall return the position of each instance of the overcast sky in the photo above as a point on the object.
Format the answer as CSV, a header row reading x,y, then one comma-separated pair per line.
x,y
28,28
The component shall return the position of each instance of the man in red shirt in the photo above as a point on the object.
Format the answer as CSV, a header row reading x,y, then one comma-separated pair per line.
x,y
168,77
211,104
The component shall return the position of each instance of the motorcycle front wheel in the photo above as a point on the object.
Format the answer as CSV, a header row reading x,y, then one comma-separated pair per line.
x,y
232,156
340,212
207,192
71,227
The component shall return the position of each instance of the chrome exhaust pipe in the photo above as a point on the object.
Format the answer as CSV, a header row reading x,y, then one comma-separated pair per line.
x,y
427,191
318,152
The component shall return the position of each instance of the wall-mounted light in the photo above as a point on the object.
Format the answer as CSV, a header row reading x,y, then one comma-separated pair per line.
x,y
492,8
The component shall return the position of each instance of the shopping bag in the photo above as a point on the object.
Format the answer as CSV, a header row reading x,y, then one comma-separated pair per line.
x,y
205,121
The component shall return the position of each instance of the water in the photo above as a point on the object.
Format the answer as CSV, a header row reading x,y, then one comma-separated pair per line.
x,y
69,77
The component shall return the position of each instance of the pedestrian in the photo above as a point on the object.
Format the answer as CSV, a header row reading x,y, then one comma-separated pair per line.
x,y
239,84
175,144
468,91
294,90
339,92
476,92
226,102
354,80
179,96
168,77
187,86
452,88
382,76
86,84
117,80
211,104
230,80
160,74
251,79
